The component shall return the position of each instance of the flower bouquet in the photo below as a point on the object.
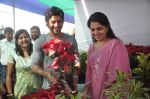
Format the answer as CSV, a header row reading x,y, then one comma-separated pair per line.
x,y
63,57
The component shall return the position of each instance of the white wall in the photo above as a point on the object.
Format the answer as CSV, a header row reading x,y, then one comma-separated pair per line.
x,y
25,20
130,20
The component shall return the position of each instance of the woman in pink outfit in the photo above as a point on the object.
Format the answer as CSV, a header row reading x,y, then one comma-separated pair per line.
x,y
106,55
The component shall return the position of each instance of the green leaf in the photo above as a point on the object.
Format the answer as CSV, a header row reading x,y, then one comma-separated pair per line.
x,y
130,89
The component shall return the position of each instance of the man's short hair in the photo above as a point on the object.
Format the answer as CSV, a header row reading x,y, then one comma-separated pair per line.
x,y
53,11
8,29
37,28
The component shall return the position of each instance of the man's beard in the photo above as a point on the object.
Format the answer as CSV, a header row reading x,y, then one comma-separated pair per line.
x,y
34,38
9,39
55,32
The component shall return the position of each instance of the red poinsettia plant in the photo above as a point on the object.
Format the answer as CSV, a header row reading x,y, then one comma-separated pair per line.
x,y
136,49
63,56
62,53
45,93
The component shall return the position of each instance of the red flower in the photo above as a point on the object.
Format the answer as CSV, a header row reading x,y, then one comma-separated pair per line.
x,y
62,53
136,49
55,64
66,68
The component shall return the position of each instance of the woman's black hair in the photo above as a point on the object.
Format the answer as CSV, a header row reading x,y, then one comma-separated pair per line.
x,y
103,20
18,49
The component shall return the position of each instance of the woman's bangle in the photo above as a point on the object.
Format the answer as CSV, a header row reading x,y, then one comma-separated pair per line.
x,y
75,76
9,95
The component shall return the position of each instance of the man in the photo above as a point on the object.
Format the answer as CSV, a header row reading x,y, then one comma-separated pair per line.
x,y
35,33
5,45
54,18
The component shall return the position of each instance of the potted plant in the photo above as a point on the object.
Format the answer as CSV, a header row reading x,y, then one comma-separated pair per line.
x,y
83,58
143,69
126,88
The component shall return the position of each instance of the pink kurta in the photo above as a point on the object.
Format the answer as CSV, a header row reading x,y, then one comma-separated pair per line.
x,y
102,65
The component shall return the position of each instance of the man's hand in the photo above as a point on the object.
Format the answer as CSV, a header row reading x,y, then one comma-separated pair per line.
x,y
52,78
